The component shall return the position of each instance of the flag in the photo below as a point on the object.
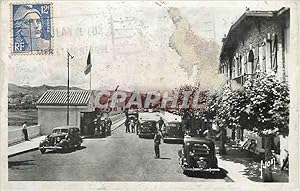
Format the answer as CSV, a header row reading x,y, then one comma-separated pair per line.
x,y
88,64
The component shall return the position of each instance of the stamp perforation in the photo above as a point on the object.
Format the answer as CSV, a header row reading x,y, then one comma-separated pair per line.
x,y
46,52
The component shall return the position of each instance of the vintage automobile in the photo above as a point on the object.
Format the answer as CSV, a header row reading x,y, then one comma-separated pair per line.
x,y
62,138
147,124
172,128
198,154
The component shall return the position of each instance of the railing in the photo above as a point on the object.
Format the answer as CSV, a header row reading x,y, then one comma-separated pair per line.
x,y
242,79
17,135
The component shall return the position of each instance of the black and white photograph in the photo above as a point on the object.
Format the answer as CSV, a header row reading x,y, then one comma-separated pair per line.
x,y
149,95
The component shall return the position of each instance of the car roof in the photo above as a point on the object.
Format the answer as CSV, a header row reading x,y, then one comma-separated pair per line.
x,y
149,116
170,117
196,139
65,127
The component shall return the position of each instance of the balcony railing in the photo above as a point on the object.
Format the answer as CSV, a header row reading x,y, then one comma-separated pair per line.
x,y
242,79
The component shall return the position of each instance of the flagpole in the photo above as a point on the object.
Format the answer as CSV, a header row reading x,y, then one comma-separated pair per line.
x,y
91,80
91,70
68,90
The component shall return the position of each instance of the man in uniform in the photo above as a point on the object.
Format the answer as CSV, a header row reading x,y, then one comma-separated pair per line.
x,y
157,138
160,123
127,125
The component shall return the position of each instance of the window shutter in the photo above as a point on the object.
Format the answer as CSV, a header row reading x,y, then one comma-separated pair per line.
x,y
256,65
244,60
262,58
274,53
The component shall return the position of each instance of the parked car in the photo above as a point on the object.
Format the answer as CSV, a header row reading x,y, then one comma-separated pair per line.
x,y
147,124
62,138
198,154
172,128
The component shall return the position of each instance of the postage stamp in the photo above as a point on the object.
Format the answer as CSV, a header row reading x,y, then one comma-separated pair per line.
x,y
32,30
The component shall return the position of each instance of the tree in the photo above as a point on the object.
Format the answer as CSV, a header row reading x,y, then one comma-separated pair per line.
x,y
229,109
222,115
268,110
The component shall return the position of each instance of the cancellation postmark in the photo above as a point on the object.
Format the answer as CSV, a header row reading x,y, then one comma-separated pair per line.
x,y
32,29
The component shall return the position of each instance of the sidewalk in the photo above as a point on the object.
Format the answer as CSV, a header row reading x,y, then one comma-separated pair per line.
x,y
33,144
244,167
234,170
24,147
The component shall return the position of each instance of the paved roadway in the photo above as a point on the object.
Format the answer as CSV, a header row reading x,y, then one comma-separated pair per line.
x,y
120,157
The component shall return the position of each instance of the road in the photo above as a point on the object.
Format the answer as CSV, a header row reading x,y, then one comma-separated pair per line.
x,y
120,157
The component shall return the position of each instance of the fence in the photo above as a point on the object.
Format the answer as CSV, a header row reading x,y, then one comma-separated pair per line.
x,y
17,135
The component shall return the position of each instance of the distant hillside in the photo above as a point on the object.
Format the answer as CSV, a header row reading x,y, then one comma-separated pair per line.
x,y
37,90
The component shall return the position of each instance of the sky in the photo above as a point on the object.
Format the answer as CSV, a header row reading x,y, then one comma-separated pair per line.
x,y
129,42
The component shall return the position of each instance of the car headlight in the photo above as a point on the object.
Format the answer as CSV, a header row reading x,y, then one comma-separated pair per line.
x,y
58,139
201,164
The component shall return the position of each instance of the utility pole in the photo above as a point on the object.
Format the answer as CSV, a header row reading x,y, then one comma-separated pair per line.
x,y
68,91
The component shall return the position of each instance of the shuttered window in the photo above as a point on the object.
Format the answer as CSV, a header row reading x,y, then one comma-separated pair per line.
x,y
262,58
274,53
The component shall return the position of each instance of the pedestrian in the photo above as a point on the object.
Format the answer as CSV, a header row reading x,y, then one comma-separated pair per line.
x,y
132,123
157,139
127,125
24,129
160,123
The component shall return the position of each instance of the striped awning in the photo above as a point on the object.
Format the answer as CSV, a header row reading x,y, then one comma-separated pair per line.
x,y
59,97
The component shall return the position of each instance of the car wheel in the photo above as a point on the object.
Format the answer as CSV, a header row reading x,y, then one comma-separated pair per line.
x,y
186,172
43,151
65,148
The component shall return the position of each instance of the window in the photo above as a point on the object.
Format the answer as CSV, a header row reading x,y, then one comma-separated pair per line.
x,y
239,65
250,62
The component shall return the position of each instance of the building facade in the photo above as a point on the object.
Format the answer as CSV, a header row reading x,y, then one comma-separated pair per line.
x,y
258,42
52,108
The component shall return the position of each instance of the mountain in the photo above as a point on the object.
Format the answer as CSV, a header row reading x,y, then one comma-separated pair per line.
x,y
37,90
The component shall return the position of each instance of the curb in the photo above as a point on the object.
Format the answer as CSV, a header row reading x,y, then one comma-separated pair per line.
x,y
230,179
37,147
22,152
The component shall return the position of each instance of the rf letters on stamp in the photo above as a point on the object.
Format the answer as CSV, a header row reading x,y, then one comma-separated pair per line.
x,y
32,29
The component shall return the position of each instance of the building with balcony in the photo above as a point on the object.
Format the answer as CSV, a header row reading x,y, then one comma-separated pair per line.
x,y
257,42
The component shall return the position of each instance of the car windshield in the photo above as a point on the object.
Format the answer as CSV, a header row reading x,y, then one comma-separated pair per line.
x,y
173,124
60,131
148,123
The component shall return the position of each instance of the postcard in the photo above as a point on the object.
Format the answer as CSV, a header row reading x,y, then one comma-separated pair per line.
x,y
149,95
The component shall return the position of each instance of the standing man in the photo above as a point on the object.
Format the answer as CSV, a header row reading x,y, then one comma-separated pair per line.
x,y
157,139
24,129
132,124
127,125
160,123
